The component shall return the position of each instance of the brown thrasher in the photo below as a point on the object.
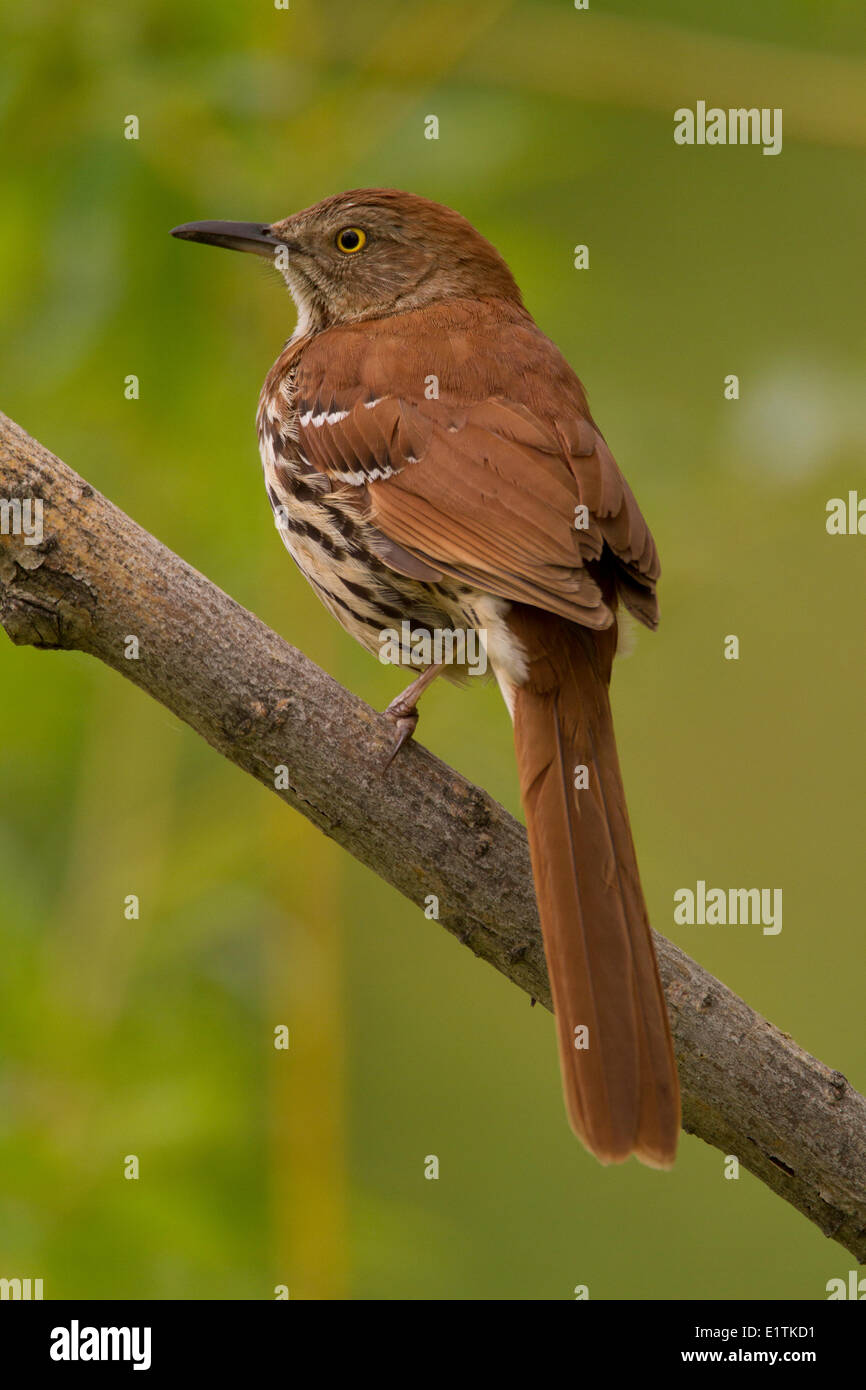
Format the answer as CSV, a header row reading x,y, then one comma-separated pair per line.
x,y
431,460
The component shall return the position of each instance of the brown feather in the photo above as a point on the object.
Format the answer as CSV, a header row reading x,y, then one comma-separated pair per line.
x,y
621,1091
481,481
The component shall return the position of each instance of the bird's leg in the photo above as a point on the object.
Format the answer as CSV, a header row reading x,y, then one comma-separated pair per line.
x,y
404,709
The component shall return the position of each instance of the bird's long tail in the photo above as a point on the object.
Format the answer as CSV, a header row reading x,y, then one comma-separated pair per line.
x,y
618,1069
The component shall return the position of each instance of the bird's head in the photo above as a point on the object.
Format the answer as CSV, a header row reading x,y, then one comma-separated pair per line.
x,y
367,254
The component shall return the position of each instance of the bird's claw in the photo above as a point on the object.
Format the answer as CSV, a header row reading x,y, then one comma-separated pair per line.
x,y
405,721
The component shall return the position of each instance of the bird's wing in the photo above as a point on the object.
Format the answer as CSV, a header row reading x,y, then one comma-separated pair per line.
x,y
470,441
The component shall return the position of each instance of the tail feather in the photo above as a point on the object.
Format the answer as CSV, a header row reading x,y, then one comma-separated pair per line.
x,y
616,1054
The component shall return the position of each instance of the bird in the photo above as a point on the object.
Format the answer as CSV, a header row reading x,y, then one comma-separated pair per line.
x,y
432,463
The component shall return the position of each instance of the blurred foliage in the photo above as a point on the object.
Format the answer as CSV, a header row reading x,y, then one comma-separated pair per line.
x,y
155,1037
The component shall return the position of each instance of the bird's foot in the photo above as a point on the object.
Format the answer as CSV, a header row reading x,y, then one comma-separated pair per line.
x,y
405,719
403,711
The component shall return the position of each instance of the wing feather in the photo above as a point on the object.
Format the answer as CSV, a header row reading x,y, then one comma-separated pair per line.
x,y
481,478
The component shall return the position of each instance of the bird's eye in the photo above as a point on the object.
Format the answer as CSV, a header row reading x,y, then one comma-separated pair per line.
x,y
351,239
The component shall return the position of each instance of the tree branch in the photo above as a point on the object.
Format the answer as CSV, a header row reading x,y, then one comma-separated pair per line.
x,y
97,578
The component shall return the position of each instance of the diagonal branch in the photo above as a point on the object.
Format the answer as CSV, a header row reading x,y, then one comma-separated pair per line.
x,y
97,578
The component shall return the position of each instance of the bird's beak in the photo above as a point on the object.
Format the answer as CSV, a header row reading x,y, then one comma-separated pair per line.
x,y
237,236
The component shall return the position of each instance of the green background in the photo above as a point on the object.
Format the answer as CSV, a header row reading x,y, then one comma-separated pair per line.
x,y
154,1037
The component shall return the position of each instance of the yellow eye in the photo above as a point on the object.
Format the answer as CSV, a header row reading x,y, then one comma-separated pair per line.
x,y
351,239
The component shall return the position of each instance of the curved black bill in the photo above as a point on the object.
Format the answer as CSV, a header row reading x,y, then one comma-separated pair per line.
x,y
237,236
